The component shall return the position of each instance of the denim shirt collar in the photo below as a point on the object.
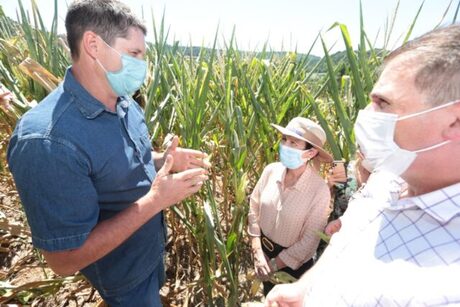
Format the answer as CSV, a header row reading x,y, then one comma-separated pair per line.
x,y
88,105
123,104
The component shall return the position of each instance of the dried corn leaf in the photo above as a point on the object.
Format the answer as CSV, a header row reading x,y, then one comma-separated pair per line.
x,y
8,48
63,43
255,286
39,74
14,229
47,285
281,277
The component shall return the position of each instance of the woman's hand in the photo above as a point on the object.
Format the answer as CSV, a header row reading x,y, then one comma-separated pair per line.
x,y
261,266
332,227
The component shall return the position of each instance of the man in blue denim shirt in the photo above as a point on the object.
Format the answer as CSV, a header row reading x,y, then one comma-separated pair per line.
x,y
83,165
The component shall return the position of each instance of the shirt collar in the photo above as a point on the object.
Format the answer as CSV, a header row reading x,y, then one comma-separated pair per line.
x,y
301,182
89,106
442,204
123,104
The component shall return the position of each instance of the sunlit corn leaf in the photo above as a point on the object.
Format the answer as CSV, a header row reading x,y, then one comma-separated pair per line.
x,y
282,277
323,236
40,74
412,25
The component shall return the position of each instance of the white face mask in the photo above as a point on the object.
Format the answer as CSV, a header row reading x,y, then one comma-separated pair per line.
x,y
374,133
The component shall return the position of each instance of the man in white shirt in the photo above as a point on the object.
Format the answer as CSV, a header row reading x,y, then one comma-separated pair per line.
x,y
403,252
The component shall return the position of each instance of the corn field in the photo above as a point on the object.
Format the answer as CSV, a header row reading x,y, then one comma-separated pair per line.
x,y
218,100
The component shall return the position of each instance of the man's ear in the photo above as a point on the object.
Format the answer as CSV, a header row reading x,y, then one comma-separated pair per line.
x,y
90,44
452,132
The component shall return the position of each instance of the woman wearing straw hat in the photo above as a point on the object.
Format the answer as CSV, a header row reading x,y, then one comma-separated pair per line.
x,y
290,204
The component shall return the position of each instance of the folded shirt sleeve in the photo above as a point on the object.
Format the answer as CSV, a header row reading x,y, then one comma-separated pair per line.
x,y
53,179
254,204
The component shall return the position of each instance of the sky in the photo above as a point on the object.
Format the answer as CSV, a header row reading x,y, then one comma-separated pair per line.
x,y
285,25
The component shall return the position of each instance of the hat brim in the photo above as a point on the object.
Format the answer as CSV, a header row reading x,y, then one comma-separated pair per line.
x,y
323,155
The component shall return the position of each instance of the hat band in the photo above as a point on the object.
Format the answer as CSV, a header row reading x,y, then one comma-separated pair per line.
x,y
308,136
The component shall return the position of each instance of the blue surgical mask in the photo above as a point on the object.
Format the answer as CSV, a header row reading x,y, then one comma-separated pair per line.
x,y
129,78
291,157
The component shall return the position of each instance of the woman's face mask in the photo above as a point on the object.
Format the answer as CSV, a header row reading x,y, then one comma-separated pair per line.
x,y
129,78
291,157
374,133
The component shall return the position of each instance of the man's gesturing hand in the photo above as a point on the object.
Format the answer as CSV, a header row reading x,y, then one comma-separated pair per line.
x,y
185,158
168,189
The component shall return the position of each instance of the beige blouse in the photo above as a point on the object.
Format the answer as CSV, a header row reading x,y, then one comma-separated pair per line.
x,y
290,217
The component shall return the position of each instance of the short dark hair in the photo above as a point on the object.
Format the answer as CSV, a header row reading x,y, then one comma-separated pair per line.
x,y
107,18
436,55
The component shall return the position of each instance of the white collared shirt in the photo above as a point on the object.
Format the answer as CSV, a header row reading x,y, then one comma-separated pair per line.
x,y
393,253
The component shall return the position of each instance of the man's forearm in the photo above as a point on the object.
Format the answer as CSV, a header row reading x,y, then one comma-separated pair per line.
x,y
105,237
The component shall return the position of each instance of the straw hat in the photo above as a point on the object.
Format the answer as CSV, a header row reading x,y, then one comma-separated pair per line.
x,y
306,130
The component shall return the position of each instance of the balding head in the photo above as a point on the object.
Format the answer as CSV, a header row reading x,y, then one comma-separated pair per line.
x,y
436,55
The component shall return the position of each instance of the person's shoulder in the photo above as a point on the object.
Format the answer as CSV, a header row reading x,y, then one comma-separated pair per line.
x,y
275,166
271,169
315,176
38,120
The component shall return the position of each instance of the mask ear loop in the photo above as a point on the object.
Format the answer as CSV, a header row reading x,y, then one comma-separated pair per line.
x,y
310,161
110,46
97,60
433,147
102,66
448,104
